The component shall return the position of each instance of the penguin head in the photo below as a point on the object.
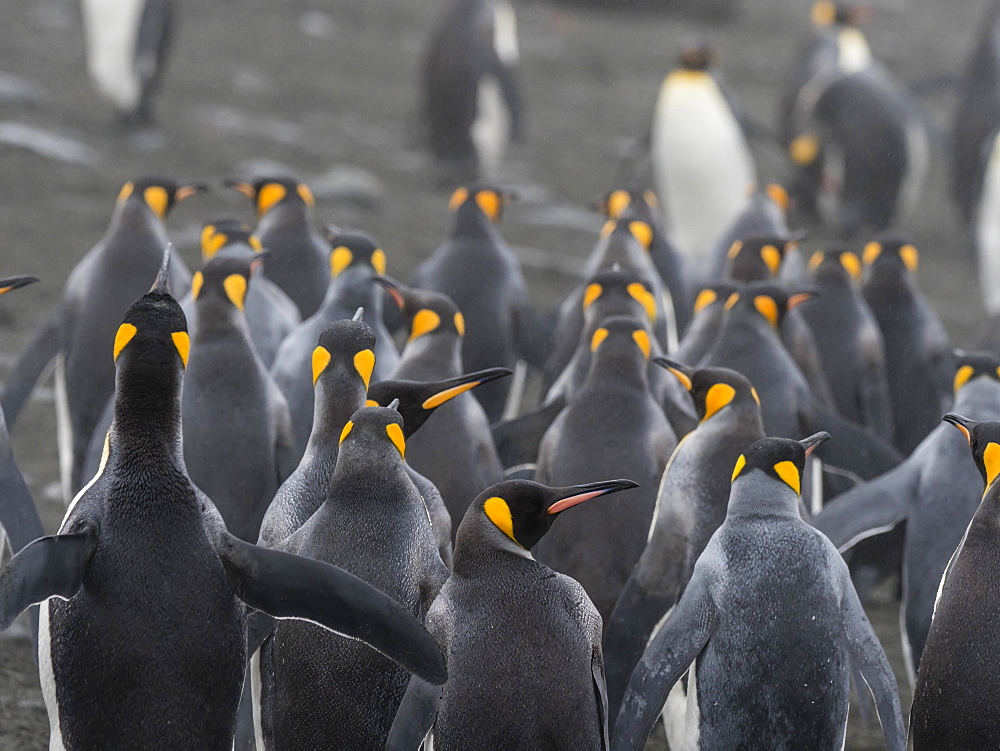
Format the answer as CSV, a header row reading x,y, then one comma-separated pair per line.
x,y
835,265
756,259
892,254
984,440
615,202
224,280
713,297
768,301
417,400
479,201
972,365
696,56
158,194
373,434
780,459
354,250
826,13
428,312
269,192
524,510
621,339
345,353
225,231
619,290
626,230
712,389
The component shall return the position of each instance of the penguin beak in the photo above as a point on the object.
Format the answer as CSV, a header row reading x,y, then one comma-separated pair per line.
x,y
359,314
682,373
186,191
243,187
577,494
810,443
463,383
393,288
962,423
258,261
162,282
15,282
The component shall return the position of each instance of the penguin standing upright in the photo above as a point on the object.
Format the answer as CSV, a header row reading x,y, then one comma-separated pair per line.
x,y
127,43
299,254
500,603
611,426
762,215
472,105
320,690
98,292
237,430
476,269
778,673
145,594
701,160
957,686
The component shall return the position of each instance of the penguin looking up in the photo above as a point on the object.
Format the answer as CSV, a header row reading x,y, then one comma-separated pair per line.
x,y
501,602
141,520
321,690
98,292
299,255
228,392
955,688
793,656
480,273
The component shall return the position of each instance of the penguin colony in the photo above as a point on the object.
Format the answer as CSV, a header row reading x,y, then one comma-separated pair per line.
x,y
375,561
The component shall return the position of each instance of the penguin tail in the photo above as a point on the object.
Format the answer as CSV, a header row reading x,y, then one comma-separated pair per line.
x,y
40,350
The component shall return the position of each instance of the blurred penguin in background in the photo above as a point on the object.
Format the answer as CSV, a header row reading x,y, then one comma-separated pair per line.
x,y
127,43
472,105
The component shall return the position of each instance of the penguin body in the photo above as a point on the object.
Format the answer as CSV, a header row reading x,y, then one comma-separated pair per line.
x,y
955,689
472,104
935,491
318,689
142,555
298,253
80,331
701,160
918,353
228,392
127,44
635,441
792,656
476,269
985,225
501,602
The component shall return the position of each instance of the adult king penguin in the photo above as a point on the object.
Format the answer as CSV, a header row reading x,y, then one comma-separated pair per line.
x,y
779,673
145,594
98,292
501,605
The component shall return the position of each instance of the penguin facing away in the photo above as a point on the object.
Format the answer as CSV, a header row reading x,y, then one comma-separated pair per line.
x,y
778,674
142,521
80,331
500,602
706,317
762,215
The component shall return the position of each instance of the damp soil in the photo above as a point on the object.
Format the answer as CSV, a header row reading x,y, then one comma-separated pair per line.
x,y
327,91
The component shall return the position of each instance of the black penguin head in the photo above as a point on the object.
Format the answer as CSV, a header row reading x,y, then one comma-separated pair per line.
x,y
159,194
713,296
224,231
768,301
835,264
268,192
891,253
225,279
346,348
428,312
972,365
826,13
757,258
479,199
525,510
984,440
696,56
781,459
620,289
373,433
711,389
627,229
418,400
615,202
621,338
354,250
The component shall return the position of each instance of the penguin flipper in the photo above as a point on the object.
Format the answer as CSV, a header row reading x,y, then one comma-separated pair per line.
x,y
49,567
517,440
284,585
852,447
40,350
601,695
415,715
18,513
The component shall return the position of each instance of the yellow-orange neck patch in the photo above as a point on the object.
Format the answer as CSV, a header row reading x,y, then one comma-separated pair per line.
x,y
641,339
340,259
717,397
345,432
991,461
157,199
962,376
768,308
268,196
424,322
705,298
196,284
599,336
872,251
498,512
320,359
235,286
182,342
642,295
789,474
618,201
364,363
125,333
741,462
592,293
395,434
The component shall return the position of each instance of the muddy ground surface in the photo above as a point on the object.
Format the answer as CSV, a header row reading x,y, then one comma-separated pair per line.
x,y
327,90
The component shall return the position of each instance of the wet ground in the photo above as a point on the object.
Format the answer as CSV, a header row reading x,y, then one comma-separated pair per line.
x,y
327,90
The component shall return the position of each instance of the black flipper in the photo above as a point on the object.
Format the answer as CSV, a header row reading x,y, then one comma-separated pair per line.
x,y
290,586
18,514
36,355
49,567
517,440
601,695
852,447
415,716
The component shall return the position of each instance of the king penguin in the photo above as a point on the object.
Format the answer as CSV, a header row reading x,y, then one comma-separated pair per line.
x,y
98,292
144,593
706,317
762,215
956,687
314,689
779,674
701,160
238,445
501,604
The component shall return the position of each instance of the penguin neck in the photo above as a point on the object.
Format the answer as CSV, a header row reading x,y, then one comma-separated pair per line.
x,y
339,394
979,396
292,214
217,317
753,496
361,475
134,216
348,291
609,368
834,281
147,418
747,327
471,223
741,416
890,284
442,350
480,547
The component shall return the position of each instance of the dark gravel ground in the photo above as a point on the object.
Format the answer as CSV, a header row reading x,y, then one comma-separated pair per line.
x,y
328,90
